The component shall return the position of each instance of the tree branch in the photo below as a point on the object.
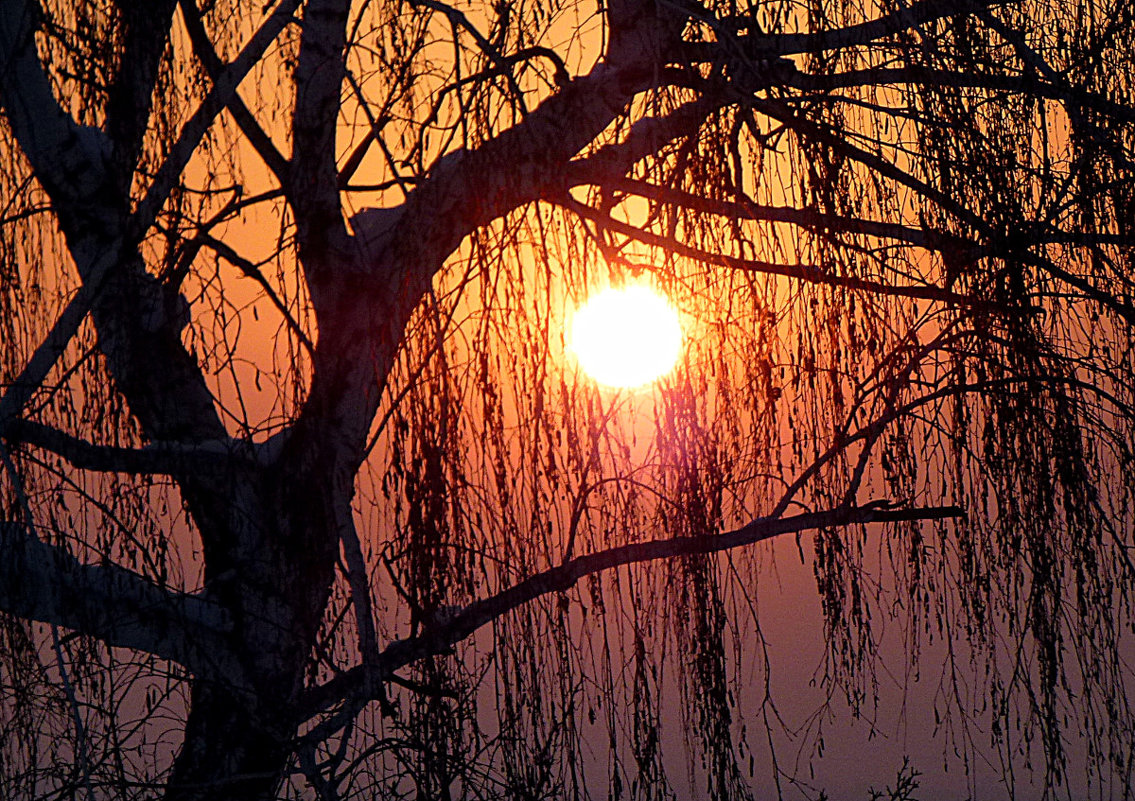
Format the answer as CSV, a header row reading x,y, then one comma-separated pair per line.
x,y
397,250
251,270
218,98
914,74
159,458
319,74
763,46
45,583
809,273
440,638
58,148
642,140
811,219
467,188
999,243
257,137
146,34
458,19
69,160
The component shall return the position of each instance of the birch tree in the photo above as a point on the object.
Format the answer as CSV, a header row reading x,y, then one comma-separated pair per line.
x,y
303,493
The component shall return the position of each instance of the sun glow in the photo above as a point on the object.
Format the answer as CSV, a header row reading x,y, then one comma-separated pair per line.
x,y
626,337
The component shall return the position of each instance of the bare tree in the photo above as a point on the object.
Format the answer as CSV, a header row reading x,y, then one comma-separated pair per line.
x,y
301,491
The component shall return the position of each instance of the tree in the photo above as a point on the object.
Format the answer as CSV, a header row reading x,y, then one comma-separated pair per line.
x,y
300,486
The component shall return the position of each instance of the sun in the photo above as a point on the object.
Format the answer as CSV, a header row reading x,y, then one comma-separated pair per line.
x,y
626,337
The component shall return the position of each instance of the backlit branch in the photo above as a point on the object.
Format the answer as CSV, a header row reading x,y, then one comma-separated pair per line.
x,y
57,148
808,273
502,65
252,271
824,223
998,243
256,135
160,458
644,139
441,638
319,73
771,45
745,209
929,76
218,98
123,609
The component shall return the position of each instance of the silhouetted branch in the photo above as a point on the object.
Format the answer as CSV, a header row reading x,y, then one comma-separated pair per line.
x,y
440,638
772,45
160,458
929,76
57,149
123,609
69,160
642,140
253,271
503,65
219,97
808,273
257,136
743,208
319,71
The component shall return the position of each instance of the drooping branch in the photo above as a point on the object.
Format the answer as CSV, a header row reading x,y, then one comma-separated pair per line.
x,y
229,254
146,33
396,251
1024,85
218,98
443,636
460,21
999,243
468,189
744,208
839,140
69,160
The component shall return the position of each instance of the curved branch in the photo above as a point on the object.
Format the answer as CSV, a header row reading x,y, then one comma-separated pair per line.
x,y
397,250
252,271
70,160
58,148
440,638
501,63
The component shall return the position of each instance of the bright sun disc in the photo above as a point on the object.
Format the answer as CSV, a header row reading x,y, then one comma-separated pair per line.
x,y
626,337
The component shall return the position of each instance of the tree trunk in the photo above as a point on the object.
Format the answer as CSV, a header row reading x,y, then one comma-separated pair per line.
x,y
232,750
275,586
